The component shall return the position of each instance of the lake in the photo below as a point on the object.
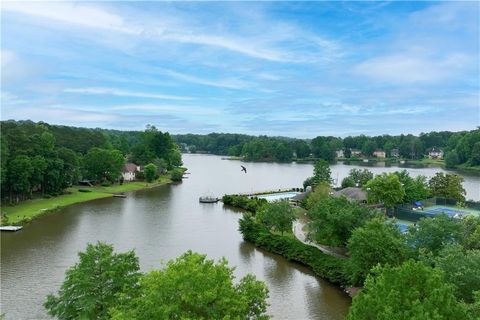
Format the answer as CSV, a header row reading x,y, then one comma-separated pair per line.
x,y
164,222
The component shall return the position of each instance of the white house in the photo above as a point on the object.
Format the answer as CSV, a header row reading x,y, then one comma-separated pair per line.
x,y
435,153
379,153
339,153
129,171
356,152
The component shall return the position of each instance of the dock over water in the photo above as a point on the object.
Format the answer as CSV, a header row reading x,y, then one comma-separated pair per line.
x,y
11,228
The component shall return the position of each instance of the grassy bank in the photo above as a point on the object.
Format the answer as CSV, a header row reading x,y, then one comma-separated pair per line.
x,y
30,209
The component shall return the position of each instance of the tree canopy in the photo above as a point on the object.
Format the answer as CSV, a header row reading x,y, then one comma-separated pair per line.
x,y
277,216
386,189
376,242
334,219
91,285
410,291
193,287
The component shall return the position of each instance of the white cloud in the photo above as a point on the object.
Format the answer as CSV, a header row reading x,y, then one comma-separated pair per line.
x,y
221,83
124,93
70,13
412,67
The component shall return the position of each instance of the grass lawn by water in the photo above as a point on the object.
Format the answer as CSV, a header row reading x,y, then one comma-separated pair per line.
x,y
28,210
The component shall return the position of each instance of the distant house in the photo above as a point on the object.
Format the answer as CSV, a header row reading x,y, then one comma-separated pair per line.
x,y
356,152
379,153
435,153
352,194
129,171
395,153
339,153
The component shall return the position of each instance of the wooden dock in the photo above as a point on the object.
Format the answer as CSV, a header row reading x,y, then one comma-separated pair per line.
x,y
10,228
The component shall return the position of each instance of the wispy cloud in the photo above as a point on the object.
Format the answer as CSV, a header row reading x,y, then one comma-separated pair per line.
x,y
124,93
296,69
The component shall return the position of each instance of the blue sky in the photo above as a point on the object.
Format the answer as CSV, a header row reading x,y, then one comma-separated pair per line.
x,y
298,69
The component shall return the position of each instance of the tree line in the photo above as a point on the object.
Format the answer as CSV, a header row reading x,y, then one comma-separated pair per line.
x,y
39,158
460,148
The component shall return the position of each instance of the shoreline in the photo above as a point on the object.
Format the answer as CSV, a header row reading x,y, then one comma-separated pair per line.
x,y
29,210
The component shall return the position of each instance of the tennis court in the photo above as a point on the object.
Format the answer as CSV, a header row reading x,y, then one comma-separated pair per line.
x,y
450,211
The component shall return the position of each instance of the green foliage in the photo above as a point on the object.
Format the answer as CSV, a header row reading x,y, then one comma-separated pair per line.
x,y
323,265
150,172
334,219
386,189
410,291
324,148
177,174
360,177
301,148
471,232
368,148
320,193
348,182
461,268
376,242
322,172
277,216
19,174
103,164
447,186
415,188
91,286
475,157
432,234
192,287
244,202
451,159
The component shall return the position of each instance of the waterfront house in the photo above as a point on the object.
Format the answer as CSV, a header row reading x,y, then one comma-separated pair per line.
x,y
379,153
339,153
435,153
356,152
129,171
395,153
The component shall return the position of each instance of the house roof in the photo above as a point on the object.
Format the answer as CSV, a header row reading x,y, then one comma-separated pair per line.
x,y
130,167
435,150
352,193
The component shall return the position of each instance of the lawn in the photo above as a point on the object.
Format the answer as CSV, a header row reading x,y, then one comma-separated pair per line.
x,y
26,211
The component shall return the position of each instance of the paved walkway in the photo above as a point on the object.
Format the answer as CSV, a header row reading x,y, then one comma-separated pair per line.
x,y
298,231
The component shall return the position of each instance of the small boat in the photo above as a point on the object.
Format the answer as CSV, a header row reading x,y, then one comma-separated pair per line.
x,y
208,199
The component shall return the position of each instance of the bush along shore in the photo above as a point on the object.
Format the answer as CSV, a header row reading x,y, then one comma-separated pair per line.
x,y
29,210
324,265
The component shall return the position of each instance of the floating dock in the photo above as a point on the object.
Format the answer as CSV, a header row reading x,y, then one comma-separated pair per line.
x,y
119,196
10,228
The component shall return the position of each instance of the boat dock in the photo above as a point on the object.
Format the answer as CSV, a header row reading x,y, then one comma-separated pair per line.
x,y
11,228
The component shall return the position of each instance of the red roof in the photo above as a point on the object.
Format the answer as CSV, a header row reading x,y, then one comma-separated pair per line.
x,y
130,167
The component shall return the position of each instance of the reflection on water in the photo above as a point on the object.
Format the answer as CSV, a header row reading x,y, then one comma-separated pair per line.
x,y
161,224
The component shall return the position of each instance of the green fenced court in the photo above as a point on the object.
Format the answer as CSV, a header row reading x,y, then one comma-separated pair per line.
x,y
434,206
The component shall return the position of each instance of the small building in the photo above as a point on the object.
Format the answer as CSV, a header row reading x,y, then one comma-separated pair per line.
x,y
435,153
339,153
355,152
395,153
129,171
379,153
352,194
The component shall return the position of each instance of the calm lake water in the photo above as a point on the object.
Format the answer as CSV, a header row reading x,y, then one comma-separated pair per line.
x,y
161,224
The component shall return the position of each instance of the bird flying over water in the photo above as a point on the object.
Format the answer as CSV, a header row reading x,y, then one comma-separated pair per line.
x,y
243,169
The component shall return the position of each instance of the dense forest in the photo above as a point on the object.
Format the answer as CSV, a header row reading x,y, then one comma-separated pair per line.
x,y
462,149
46,159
